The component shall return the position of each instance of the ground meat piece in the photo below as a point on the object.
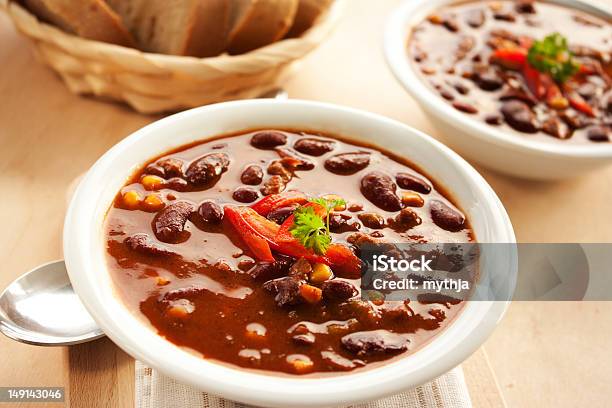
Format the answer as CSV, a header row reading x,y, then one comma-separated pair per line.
x,y
145,245
277,168
169,223
287,290
206,171
375,341
340,223
300,269
273,185
405,220
339,290
293,160
372,220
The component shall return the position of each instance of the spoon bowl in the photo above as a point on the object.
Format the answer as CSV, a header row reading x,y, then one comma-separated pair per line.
x,y
41,308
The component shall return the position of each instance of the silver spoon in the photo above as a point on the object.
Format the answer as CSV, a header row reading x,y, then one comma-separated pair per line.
x,y
41,308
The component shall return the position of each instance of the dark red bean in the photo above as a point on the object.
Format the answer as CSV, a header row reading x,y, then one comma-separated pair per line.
x,y
587,90
504,16
245,195
206,171
372,220
300,269
314,147
493,119
408,181
380,190
446,94
488,80
451,24
277,168
573,119
211,212
525,6
462,89
155,170
338,290
446,217
268,140
169,223
145,245
252,175
375,342
279,215
519,116
348,163
273,185
598,134
287,290
465,107
177,184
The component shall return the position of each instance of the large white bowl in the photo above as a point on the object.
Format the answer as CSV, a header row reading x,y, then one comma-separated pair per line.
x,y
84,251
503,151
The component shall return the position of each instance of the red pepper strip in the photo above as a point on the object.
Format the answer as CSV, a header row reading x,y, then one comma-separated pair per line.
x,y
525,42
274,201
256,234
343,261
554,97
534,80
587,69
510,58
578,103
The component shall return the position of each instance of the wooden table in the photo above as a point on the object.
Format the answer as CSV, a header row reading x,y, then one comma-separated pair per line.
x,y
543,354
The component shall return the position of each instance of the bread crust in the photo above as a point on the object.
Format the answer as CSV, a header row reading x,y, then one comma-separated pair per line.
x,y
307,14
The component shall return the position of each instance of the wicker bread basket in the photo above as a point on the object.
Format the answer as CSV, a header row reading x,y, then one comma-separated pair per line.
x,y
152,83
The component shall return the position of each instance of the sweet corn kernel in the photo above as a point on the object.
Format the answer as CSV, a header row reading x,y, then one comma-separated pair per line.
x,y
300,363
152,182
412,199
435,19
161,281
558,103
131,199
320,273
332,197
152,202
311,294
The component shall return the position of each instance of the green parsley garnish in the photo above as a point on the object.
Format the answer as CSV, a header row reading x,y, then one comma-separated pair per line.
x,y
310,229
552,56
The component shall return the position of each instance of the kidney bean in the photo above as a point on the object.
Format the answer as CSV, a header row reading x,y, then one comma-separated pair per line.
x,y
525,6
587,90
372,220
155,170
520,95
287,290
207,170
380,190
293,160
465,107
405,220
493,119
338,290
573,119
598,134
245,195
314,147
347,163
252,175
279,215
211,212
145,245
177,184
519,116
268,140
169,223
461,88
408,181
450,24
445,217
475,18
374,342
488,80
265,270
273,185
504,16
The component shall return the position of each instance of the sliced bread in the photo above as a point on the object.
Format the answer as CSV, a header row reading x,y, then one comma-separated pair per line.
x,y
259,22
307,14
92,19
196,28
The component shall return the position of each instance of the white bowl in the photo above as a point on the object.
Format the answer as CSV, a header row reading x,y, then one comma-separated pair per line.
x,y
84,251
506,152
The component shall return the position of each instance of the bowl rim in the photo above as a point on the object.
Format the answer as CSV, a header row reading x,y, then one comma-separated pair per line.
x,y
83,255
399,26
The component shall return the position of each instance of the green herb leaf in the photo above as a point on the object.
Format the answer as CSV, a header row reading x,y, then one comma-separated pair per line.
x,y
312,230
552,56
